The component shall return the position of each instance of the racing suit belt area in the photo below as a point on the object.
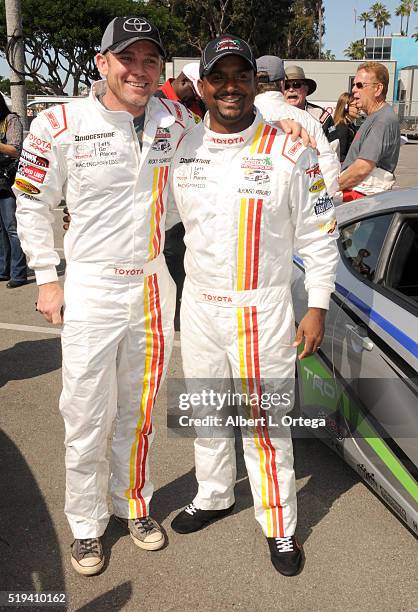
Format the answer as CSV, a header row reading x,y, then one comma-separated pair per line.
x,y
247,201
119,298
116,339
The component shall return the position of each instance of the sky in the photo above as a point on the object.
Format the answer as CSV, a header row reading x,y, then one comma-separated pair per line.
x,y
339,25
340,28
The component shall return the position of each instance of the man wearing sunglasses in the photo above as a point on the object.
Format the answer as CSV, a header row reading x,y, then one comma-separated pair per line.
x,y
373,155
297,88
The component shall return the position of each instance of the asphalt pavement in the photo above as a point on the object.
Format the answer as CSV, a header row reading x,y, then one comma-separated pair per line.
x,y
359,557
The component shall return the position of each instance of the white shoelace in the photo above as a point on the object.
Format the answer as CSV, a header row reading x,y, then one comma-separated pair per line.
x,y
191,509
284,544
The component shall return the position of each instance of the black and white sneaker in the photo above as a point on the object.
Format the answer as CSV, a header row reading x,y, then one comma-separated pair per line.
x,y
286,555
192,519
87,556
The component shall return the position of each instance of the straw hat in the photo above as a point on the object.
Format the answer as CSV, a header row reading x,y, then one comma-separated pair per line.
x,y
296,73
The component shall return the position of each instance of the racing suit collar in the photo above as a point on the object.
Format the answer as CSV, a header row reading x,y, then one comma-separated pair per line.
x,y
215,140
153,110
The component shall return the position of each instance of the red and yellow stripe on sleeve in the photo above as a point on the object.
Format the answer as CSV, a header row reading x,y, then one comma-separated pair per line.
x,y
263,139
159,182
153,371
250,377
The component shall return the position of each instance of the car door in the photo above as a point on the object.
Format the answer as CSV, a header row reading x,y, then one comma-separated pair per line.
x,y
374,355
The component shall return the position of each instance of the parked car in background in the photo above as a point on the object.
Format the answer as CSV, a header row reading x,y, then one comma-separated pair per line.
x,y
36,104
363,382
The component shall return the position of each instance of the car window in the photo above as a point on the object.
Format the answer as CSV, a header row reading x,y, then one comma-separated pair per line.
x,y
362,243
402,274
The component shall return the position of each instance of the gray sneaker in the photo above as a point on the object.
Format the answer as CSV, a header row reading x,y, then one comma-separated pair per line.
x,y
87,556
145,532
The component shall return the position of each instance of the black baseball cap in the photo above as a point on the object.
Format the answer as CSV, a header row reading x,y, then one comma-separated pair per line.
x,y
123,31
224,45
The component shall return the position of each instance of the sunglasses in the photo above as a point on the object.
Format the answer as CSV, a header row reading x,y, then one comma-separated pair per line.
x,y
293,84
360,85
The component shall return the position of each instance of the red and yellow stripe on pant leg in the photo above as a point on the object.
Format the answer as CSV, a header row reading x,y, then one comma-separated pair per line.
x,y
262,472
153,372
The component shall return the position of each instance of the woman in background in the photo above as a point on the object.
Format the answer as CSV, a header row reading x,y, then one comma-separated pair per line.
x,y
346,112
12,258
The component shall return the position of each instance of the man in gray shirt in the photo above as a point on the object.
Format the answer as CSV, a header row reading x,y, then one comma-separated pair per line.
x,y
372,158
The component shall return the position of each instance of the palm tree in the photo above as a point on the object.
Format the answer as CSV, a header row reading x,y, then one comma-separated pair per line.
x,y
381,15
355,50
385,16
365,18
411,6
401,12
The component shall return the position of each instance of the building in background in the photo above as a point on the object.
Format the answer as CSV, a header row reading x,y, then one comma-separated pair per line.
x,y
398,53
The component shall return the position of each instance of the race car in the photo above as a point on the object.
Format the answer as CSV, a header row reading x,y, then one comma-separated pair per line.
x,y
161,145
363,381
257,176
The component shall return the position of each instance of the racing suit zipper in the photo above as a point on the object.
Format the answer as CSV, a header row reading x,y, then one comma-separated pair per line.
x,y
138,165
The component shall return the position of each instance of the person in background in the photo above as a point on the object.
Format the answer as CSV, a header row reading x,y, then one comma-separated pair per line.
x,y
373,156
297,88
271,103
12,258
346,112
181,89
191,70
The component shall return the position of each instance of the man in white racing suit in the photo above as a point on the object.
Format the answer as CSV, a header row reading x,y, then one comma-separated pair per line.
x,y
248,198
108,156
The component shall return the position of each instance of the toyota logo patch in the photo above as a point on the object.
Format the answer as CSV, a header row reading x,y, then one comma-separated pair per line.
x,y
136,24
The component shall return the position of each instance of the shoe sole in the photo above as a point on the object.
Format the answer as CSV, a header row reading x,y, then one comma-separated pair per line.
x,y
87,571
148,545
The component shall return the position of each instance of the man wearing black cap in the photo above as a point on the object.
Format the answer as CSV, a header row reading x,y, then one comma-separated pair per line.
x,y
108,156
271,103
248,196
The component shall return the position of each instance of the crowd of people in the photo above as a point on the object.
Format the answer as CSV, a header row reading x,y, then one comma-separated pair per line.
x,y
213,156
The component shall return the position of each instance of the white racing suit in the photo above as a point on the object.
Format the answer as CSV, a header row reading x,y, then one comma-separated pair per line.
x,y
247,201
273,107
119,297
377,181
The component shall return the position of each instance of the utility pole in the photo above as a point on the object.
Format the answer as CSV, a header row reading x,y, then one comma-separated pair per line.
x,y
320,28
17,58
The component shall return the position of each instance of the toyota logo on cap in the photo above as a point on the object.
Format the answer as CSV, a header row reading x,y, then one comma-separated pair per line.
x,y
124,31
137,24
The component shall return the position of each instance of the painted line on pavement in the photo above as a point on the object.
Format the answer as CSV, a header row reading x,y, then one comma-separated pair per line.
x,y
31,328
